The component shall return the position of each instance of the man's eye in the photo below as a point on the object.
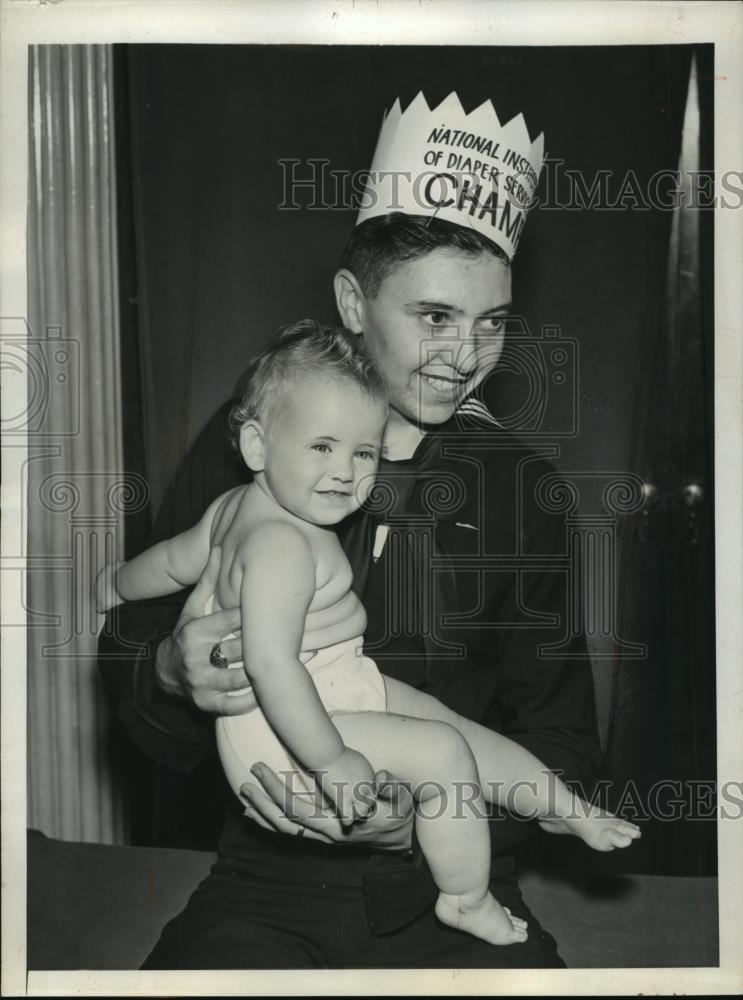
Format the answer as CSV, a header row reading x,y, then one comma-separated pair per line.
x,y
321,447
365,455
436,318
493,324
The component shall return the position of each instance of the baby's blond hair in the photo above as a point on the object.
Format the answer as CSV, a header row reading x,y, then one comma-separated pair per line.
x,y
304,348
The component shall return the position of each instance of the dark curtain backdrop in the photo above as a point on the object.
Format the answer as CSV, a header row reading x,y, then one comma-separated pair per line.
x,y
214,267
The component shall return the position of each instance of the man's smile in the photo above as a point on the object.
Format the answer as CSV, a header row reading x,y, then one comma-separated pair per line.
x,y
444,385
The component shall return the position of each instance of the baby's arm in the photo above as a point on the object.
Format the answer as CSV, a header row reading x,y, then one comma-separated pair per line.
x,y
277,587
165,568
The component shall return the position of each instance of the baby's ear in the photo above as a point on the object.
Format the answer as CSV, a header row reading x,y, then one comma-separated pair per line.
x,y
252,445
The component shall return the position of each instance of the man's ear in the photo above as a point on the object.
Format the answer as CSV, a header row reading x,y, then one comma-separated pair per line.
x,y
350,300
252,445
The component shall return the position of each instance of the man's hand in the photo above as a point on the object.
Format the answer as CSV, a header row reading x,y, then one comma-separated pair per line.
x,y
273,806
182,664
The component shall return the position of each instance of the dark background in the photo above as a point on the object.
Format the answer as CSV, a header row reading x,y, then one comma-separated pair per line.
x,y
211,267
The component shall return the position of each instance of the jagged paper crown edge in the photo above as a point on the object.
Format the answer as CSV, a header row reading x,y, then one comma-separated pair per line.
x,y
484,117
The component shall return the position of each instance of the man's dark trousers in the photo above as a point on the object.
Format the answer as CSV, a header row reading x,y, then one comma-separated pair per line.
x,y
237,922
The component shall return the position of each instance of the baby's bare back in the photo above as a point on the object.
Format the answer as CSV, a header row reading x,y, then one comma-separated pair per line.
x,y
335,612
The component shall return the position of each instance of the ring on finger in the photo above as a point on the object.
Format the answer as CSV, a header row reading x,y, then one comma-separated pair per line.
x,y
300,832
217,657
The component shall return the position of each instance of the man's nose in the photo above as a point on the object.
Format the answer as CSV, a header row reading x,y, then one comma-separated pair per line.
x,y
453,332
451,353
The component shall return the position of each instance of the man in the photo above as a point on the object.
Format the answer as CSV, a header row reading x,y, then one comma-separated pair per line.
x,y
452,563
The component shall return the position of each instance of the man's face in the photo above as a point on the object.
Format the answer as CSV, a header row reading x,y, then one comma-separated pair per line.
x,y
322,446
435,329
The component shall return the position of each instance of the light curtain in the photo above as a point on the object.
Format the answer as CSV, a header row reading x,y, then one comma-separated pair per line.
x,y
75,490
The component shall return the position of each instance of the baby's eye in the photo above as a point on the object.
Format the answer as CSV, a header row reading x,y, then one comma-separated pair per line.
x,y
324,448
366,455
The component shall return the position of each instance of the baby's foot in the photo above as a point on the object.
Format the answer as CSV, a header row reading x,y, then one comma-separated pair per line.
x,y
601,830
481,916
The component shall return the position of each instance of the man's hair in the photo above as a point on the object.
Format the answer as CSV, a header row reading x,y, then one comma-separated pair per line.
x,y
306,348
378,245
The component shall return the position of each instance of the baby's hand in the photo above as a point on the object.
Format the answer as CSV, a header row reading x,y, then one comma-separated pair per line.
x,y
349,784
106,595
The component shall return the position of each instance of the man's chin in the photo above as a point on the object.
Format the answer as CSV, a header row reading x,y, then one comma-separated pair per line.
x,y
427,416
435,414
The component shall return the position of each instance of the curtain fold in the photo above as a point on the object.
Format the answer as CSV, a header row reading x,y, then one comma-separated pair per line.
x,y
76,493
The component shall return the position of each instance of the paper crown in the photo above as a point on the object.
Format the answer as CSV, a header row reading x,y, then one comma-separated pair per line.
x,y
465,168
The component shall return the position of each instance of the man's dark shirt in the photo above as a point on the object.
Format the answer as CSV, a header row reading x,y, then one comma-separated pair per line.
x,y
470,582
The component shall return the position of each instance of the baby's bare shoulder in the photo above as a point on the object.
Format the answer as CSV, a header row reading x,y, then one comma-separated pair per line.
x,y
227,510
271,558
246,523
275,538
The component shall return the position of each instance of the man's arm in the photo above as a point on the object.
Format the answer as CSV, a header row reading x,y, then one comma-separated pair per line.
x,y
163,727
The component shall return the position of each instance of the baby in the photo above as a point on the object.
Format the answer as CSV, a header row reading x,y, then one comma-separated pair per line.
x,y
310,427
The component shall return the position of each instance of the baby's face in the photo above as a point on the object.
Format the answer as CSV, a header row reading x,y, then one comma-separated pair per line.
x,y
322,448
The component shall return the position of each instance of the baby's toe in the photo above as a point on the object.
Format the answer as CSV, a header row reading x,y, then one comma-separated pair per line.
x,y
618,839
630,829
515,921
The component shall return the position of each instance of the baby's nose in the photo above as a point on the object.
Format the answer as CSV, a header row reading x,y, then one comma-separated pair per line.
x,y
343,474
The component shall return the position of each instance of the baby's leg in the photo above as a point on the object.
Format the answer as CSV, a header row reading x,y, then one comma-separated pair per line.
x,y
436,760
514,778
